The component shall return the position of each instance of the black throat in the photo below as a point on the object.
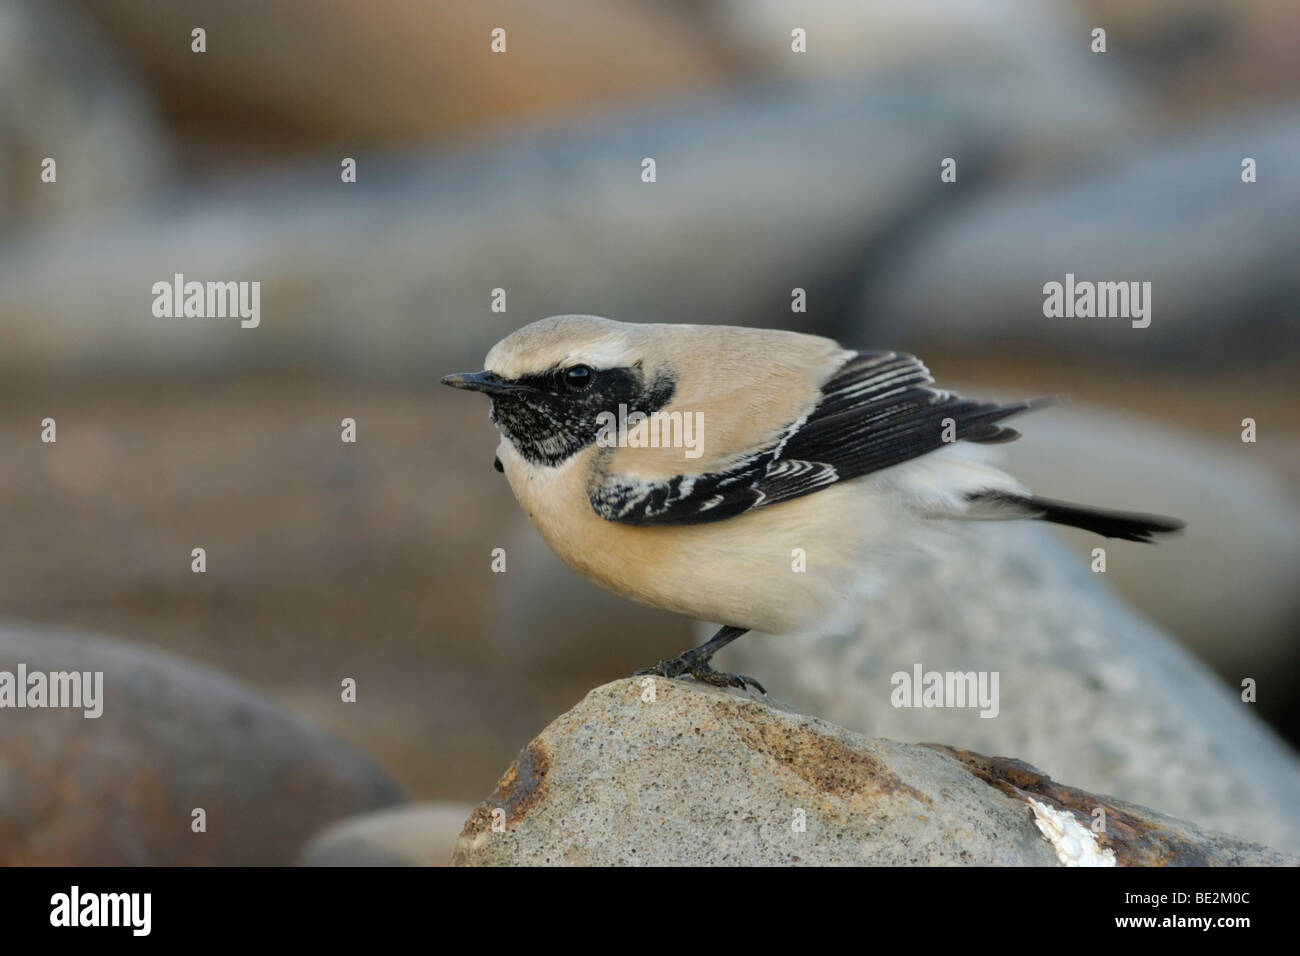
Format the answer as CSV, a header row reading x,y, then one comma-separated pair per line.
x,y
549,423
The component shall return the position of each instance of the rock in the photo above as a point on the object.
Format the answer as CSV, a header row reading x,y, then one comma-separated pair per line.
x,y
322,556
1088,690
1044,46
1227,586
1199,56
414,70
416,834
391,278
698,776
65,97
1171,211
119,789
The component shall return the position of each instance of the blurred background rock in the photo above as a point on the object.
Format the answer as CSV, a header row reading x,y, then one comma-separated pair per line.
x,y
522,171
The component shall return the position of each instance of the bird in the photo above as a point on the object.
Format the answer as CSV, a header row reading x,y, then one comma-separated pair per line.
x,y
689,467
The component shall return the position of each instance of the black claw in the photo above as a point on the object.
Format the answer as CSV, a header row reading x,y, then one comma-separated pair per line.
x,y
669,668
689,665
695,663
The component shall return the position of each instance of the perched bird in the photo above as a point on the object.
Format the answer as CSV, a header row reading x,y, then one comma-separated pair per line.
x,y
752,447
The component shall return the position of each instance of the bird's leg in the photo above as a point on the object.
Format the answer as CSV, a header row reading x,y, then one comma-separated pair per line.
x,y
695,663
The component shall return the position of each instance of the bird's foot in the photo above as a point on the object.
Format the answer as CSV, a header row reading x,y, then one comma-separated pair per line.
x,y
694,666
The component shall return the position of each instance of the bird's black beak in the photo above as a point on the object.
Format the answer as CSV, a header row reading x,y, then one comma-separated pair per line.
x,y
486,382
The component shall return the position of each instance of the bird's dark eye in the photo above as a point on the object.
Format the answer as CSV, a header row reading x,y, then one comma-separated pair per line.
x,y
578,377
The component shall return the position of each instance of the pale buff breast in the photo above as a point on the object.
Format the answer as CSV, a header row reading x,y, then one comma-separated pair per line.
x,y
741,571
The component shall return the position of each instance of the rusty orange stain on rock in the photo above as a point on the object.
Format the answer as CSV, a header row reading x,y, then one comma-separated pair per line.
x,y
520,789
824,761
1137,840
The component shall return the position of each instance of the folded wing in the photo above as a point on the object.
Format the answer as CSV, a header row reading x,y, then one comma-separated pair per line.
x,y
879,409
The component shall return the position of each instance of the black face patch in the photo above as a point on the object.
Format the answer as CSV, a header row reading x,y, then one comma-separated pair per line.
x,y
549,421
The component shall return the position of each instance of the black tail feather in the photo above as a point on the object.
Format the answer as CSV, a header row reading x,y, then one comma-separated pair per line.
x,y
1124,525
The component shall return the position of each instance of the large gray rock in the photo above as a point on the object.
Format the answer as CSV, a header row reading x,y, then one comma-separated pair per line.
x,y
1088,690
690,775
1170,210
120,789
1228,586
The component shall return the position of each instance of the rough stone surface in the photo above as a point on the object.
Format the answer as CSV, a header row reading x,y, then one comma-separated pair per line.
x,y
119,789
698,776
417,834
1088,690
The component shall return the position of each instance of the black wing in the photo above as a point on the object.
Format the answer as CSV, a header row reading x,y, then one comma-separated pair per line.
x,y
879,409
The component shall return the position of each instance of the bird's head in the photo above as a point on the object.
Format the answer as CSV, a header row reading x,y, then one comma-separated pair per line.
x,y
550,381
